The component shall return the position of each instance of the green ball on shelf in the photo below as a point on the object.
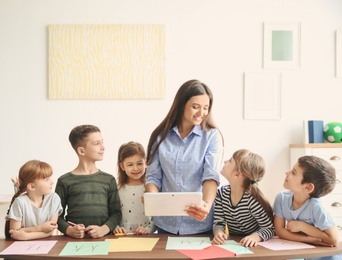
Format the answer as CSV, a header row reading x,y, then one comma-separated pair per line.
x,y
333,132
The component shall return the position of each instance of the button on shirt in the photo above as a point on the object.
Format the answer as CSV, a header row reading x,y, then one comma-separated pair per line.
x,y
182,165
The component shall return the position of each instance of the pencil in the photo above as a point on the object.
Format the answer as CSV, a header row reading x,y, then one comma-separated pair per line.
x,y
227,231
72,223
122,234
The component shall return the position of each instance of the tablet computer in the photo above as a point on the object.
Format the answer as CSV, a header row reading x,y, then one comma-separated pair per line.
x,y
170,203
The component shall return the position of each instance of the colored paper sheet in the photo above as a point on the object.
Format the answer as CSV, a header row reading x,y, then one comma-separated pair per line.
x,y
129,244
235,247
85,248
29,247
282,244
191,243
207,253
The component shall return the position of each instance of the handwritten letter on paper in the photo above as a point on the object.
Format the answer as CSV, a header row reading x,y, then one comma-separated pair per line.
x,y
85,248
282,244
29,247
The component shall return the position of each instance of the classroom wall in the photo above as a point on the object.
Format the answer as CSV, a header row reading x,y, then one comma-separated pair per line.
x,y
215,41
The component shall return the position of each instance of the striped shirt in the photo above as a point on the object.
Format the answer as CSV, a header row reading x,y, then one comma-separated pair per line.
x,y
88,199
247,217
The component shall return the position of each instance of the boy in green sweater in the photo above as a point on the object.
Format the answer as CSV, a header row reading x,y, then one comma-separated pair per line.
x,y
89,197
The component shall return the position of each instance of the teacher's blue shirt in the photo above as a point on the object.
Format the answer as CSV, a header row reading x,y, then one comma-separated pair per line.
x,y
182,165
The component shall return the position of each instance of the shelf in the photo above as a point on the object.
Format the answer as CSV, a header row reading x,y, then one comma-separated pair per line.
x,y
317,145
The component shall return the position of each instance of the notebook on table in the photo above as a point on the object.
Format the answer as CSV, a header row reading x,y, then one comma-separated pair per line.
x,y
170,203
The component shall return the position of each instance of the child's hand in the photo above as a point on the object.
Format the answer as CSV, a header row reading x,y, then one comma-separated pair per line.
x,y
48,226
316,241
140,231
120,230
294,226
76,231
219,237
251,240
96,231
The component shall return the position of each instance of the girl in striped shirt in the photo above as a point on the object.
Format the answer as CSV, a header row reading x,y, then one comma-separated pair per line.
x,y
241,206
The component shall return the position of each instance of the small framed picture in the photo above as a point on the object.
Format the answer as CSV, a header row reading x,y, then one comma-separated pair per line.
x,y
262,93
281,46
339,54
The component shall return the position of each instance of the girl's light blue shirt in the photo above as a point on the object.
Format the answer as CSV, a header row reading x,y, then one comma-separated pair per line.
x,y
182,165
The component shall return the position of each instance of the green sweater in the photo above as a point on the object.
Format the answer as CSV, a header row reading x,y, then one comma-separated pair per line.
x,y
88,199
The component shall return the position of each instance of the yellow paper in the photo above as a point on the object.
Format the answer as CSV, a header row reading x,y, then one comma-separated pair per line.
x,y
128,244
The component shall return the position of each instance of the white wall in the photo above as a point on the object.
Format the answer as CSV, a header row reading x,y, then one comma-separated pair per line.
x,y
215,41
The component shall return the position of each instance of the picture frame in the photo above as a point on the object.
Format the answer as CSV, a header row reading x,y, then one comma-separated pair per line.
x,y
282,42
262,96
126,61
338,62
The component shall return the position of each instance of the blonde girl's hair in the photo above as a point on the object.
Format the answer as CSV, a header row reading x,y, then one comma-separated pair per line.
x,y
127,150
253,167
28,173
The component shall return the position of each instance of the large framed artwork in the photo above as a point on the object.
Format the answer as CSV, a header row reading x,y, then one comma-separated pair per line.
x,y
107,61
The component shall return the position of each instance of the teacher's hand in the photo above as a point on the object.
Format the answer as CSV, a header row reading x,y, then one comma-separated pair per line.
x,y
198,212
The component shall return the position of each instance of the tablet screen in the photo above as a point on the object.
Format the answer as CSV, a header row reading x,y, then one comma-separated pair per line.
x,y
170,203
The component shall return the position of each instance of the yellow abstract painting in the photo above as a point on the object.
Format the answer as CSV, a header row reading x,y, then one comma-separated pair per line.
x,y
123,61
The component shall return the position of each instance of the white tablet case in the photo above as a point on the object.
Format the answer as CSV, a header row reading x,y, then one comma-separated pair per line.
x,y
170,203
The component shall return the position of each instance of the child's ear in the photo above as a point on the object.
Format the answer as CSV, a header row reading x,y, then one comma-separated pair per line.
x,y
30,186
121,166
80,150
238,174
309,187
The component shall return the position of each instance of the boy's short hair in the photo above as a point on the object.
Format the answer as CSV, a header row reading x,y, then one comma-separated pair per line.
x,y
79,133
319,172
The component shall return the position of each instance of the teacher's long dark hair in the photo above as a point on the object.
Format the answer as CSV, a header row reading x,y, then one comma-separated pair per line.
x,y
174,117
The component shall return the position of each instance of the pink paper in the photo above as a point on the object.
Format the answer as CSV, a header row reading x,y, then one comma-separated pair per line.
x,y
207,253
282,244
29,247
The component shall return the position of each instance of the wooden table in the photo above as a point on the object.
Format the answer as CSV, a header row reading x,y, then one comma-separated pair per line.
x,y
159,251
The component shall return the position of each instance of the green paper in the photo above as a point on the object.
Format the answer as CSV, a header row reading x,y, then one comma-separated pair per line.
x,y
235,247
85,248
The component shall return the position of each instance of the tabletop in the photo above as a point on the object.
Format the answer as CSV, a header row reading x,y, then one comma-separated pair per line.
x,y
159,251
5,199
